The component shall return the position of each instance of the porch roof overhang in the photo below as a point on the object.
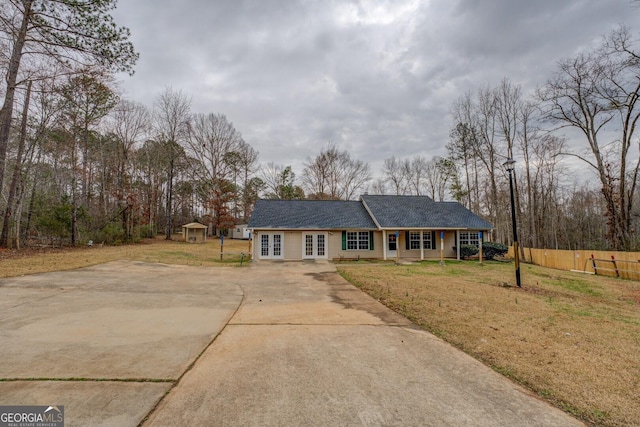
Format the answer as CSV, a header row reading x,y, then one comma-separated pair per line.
x,y
431,228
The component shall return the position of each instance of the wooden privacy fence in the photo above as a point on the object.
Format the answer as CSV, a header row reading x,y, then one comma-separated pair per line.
x,y
607,263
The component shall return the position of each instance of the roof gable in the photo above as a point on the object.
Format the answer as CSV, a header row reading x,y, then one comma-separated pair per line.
x,y
421,212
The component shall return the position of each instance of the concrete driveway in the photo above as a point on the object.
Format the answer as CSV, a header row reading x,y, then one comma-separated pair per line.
x,y
285,344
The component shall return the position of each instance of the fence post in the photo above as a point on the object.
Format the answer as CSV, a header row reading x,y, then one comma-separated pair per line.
x,y
613,260
593,261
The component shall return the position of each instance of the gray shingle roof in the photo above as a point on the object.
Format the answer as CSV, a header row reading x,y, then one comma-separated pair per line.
x,y
389,211
421,211
310,214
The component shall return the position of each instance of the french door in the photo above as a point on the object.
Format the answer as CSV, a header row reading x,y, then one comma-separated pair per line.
x,y
314,245
271,246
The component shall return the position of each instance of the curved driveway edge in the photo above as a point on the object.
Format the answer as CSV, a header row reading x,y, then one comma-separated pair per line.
x,y
108,341
307,348
286,344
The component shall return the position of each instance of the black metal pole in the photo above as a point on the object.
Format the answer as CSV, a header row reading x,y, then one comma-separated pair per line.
x,y
516,255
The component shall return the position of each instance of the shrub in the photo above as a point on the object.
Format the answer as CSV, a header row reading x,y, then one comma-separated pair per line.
x,y
467,251
113,233
493,249
146,231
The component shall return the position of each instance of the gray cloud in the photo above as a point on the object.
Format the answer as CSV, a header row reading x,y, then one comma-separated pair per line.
x,y
376,78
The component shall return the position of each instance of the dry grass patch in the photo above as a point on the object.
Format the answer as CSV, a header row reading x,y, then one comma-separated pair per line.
x,y
573,339
31,261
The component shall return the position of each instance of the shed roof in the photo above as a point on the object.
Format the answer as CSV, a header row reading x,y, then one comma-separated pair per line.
x,y
194,225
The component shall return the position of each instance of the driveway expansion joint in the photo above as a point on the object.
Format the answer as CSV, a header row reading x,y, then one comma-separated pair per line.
x,y
193,363
72,379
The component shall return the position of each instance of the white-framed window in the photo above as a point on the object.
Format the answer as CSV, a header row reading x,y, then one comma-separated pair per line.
x,y
321,245
308,245
271,245
414,240
314,245
469,238
357,240
277,245
264,245
426,238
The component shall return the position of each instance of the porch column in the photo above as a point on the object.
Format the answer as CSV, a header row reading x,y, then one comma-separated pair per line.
x,y
252,247
421,245
384,244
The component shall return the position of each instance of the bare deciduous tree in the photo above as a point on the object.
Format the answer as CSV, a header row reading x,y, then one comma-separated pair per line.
x,y
395,173
170,118
221,155
462,147
280,182
333,174
597,93
130,123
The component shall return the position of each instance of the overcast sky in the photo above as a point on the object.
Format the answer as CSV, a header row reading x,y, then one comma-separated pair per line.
x,y
376,78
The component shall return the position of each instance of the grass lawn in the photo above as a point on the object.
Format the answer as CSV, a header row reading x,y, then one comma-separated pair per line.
x,y
30,261
573,339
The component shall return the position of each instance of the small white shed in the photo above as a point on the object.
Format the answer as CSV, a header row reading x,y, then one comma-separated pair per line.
x,y
194,232
240,231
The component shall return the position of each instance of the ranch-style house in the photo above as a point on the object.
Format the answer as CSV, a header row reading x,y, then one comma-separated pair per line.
x,y
375,227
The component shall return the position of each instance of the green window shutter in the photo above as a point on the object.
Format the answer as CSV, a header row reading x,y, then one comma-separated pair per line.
x,y
406,240
433,240
344,240
371,240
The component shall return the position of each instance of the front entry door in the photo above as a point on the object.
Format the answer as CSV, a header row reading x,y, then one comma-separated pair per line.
x,y
392,245
314,245
271,246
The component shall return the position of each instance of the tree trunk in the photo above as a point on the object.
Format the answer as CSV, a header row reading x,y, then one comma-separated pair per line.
x,y
32,198
533,243
12,76
466,172
85,164
519,211
74,203
169,200
16,171
19,215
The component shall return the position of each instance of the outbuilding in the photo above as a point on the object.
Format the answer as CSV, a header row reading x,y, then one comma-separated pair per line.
x,y
240,231
194,232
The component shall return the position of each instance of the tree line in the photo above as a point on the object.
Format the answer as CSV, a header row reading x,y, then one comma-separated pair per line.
x,y
592,96
79,162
